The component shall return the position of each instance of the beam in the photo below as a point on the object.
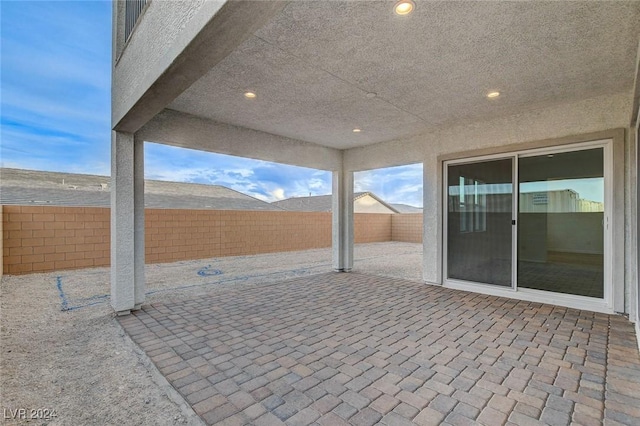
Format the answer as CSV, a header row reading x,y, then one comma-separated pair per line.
x,y
188,131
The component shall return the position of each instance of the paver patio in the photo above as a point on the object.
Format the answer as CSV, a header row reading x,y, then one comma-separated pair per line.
x,y
358,349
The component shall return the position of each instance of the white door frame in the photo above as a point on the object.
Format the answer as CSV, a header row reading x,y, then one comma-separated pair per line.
x,y
605,304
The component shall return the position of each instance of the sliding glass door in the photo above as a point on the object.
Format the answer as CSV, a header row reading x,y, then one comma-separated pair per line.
x,y
560,222
480,211
531,220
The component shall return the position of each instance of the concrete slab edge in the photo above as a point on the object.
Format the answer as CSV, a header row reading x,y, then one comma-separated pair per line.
x,y
192,418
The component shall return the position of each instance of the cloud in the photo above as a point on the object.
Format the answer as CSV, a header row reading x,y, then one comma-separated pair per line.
x,y
278,194
401,184
263,180
55,101
271,182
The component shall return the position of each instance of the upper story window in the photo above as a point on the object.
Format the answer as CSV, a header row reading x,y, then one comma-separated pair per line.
x,y
132,11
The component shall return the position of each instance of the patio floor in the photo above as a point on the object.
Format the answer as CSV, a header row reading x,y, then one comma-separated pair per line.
x,y
358,349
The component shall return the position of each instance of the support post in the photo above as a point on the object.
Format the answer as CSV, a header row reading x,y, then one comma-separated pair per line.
x,y
138,225
342,221
432,221
127,213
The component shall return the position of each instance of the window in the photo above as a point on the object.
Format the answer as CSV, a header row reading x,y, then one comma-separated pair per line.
x,y
132,11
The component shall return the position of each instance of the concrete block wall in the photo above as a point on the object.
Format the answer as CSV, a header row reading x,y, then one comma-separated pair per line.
x,y
173,235
45,239
178,234
371,227
407,228
268,232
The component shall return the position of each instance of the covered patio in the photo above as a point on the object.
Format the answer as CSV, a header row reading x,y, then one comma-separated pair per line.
x,y
491,97
506,105
358,349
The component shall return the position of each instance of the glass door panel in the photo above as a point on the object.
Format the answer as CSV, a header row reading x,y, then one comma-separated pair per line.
x,y
560,222
479,216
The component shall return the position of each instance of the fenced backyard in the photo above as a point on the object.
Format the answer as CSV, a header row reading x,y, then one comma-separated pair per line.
x,y
46,238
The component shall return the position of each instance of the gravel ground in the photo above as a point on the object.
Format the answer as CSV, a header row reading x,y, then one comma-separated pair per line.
x,y
63,351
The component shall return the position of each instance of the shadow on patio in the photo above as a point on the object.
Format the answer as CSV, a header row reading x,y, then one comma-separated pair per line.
x,y
359,349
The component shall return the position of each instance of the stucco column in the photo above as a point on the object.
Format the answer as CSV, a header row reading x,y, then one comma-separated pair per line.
x,y
637,226
342,221
138,225
127,211
431,222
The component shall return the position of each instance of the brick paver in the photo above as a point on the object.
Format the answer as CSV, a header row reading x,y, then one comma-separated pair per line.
x,y
358,349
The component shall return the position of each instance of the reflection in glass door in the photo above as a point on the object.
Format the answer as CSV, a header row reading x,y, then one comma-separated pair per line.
x,y
560,222
479,228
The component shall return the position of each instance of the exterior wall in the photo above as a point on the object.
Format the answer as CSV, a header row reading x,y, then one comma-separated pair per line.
x,y
45,239
406,228
173,45
568,119
368,204
162,24
560,124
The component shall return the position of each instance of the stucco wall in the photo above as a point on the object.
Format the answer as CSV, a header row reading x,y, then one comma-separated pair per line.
x,y
162,32
568,119
173,45
44,239
368,204
560,124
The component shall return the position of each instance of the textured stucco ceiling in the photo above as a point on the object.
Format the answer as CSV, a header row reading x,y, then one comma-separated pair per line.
x,y
314,63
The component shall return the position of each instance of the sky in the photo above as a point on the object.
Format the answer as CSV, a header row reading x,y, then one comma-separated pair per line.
x,y
55,113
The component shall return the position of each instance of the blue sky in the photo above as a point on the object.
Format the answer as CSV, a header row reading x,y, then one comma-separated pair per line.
x,y
55,112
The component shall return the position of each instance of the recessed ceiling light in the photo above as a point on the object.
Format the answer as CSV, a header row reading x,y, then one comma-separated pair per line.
x,y
404,7
357,130
250,95
371,95
493,95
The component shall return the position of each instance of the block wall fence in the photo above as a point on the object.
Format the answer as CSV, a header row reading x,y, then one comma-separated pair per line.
x,y
406,227
45,239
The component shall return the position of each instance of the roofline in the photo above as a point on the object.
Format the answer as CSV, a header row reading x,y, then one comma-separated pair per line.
x,y
52,171
356,196
108,177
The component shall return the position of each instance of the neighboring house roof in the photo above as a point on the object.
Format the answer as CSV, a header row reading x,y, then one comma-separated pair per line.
x,y
28,187
406,208
322,203
319,203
